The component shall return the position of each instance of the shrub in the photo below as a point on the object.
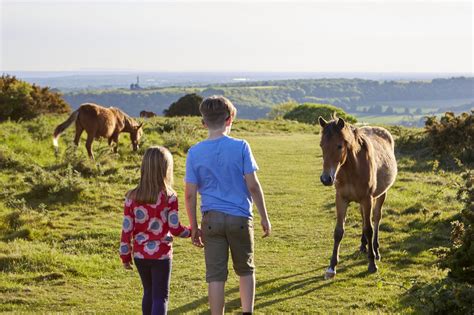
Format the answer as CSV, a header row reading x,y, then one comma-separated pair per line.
x,y
280,110
460,258
309,113
39,128
21,100
187,105
452,136
409,140
61,182
181,138
455,293
167,126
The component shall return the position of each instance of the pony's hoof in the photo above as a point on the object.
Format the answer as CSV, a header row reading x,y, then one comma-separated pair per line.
x,y
363,249
373,268
377,257
330,273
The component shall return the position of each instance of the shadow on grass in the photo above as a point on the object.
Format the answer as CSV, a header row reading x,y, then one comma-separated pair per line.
x,y
34,198
234,304
424,235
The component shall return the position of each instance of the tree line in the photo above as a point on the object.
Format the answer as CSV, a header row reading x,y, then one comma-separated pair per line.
x,y
255,99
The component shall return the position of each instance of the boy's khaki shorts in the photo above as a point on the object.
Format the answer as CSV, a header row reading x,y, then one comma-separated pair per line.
x,y
220,232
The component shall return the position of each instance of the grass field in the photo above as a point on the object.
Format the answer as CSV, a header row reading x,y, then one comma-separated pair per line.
x,y
387,119
60,228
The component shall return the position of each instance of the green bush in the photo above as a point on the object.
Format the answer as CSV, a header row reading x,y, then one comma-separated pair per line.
x,y
187,105
39,128
455,293
279,111
452,135
310,112
180,139
21,100
66,182
460,258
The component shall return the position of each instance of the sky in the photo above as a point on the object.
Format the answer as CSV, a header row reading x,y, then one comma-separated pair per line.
x,y
242,36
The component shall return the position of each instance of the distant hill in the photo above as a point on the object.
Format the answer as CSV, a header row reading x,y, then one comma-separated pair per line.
x,y
254,99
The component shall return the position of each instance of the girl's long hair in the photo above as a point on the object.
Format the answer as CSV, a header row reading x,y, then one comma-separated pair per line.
x,y
156,176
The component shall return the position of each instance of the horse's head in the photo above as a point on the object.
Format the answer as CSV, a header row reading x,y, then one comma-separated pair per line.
x,y
334,143
135,135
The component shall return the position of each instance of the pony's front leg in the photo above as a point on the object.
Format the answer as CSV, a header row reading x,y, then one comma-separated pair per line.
x,y
376,219
341,209
369,232
363,240
114,138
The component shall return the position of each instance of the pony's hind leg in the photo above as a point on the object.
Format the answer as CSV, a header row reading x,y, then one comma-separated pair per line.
x,y
376,219
90,139
79,131
363,240
341,209
368,232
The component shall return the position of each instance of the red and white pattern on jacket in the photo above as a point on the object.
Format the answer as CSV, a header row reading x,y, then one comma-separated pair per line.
x,y
150,225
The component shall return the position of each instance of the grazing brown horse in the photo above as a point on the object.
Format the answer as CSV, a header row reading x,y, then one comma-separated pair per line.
x,y
98,122
145,114
361,163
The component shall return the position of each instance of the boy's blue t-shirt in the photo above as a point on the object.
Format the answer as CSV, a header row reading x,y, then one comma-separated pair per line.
x,y
218,167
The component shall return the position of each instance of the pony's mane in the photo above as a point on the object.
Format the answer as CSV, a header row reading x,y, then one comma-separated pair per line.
x,y
129,121
357,140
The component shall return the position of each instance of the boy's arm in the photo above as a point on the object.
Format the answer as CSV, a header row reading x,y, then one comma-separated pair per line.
x,y
256,191
190,193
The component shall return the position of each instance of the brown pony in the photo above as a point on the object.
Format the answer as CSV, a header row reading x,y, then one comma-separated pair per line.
x,y
145,114
99,122
361,163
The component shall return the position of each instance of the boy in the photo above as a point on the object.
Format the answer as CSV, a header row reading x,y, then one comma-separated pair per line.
x,y
223,170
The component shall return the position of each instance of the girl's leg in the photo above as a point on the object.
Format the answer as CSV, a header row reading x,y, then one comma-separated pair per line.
x,y
161,273
145,272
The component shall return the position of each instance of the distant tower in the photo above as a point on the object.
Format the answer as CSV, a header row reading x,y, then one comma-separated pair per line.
x,y
136,86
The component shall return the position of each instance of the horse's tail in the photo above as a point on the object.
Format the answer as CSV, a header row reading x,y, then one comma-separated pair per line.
x,y
60,128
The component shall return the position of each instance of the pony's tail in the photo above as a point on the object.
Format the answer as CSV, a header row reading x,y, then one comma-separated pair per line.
x,y
60,128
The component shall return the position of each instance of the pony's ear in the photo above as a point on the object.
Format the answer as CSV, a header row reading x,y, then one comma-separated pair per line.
x,y
340,123
322,122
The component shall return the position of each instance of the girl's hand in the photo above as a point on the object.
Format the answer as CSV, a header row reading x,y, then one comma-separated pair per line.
x,y
267,227
128,265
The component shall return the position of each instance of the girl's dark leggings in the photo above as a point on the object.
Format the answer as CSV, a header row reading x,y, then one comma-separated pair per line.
x,y
155,275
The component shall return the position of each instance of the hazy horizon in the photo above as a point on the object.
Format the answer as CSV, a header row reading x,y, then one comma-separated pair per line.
x,y
240,37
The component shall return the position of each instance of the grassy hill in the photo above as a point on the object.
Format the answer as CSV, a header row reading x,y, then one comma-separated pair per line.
x,y
60,222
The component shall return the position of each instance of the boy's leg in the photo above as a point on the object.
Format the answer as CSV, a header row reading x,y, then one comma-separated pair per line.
x,y
216,253
240,236
160,272
145,275
216,297
247,292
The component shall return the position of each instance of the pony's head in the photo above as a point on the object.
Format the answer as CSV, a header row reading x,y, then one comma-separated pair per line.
x,y
336,140
135,135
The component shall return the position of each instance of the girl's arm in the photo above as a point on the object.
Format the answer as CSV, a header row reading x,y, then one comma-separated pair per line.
x,y
127,232
176,228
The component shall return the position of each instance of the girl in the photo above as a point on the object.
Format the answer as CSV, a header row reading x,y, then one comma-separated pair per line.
x,y
151,212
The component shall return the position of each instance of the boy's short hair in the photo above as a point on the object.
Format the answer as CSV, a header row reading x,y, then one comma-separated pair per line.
x,y
215,110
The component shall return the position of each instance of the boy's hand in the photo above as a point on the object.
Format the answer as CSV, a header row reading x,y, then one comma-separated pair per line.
x,y
267,227
196,237
128,265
